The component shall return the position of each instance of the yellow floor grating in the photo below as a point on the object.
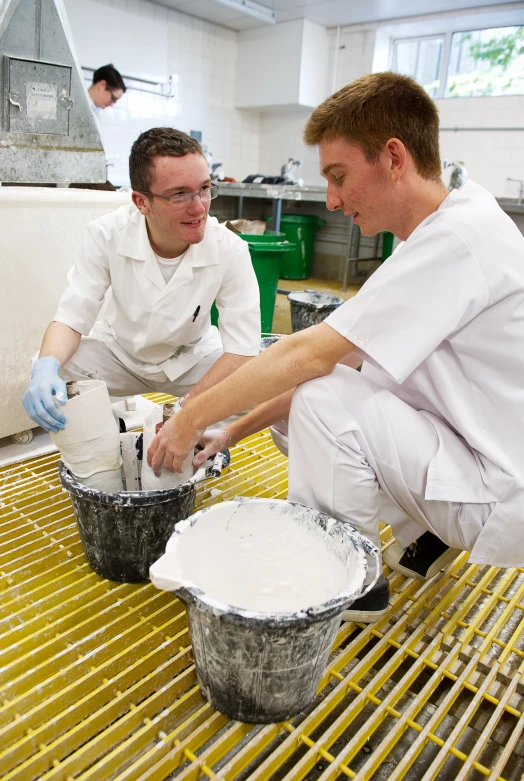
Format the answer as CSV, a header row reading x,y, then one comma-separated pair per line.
x,y
97,680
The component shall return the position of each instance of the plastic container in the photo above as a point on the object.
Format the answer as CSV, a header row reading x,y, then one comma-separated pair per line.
x,y
261,667
267,237
300,229
311,308
387,244
124,533
267,258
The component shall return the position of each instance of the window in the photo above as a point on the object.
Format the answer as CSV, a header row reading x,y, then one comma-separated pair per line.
x,y
464,64
421,59
486,62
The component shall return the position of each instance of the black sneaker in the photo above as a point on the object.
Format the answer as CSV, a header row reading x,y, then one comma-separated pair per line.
x,y
421,560
371,607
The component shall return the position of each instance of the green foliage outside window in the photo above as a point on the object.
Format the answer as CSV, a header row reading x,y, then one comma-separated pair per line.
x,y
487,62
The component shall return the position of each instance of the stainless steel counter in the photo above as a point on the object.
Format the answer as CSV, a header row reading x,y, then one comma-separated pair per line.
x,y
276,192
283,192
317,194
511,205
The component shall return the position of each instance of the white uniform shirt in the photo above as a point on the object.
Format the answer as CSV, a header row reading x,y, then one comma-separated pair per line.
x,y
153,327
441,324
97,113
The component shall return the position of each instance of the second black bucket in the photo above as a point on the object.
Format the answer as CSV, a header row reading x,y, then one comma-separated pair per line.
x,y
310,308
123,533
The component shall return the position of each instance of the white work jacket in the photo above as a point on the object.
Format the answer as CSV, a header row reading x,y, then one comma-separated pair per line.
x,y
441,325
161,330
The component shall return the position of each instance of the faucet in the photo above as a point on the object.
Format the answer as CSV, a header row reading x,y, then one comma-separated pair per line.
x,y
459,174
287,170
521,187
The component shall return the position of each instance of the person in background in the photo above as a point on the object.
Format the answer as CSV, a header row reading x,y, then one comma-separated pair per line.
x,y
107,88
163,262
429,436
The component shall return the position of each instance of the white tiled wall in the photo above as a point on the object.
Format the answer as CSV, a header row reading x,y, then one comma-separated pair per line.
x,y
202,58
281,133
490,156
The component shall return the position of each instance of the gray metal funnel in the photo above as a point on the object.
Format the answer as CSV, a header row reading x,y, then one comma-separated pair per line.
x,y
47,130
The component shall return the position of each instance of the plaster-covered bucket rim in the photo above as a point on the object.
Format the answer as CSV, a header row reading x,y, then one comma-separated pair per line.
x,y
241,616
134,498
315,300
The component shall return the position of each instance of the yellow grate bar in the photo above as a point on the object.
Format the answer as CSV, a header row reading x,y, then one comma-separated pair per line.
x,y
97,680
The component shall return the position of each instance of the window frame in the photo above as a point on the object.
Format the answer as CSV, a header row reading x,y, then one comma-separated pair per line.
x,y
444,57
447,35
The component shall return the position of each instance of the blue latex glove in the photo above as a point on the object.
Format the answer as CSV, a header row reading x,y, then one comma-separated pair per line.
x,y
45,390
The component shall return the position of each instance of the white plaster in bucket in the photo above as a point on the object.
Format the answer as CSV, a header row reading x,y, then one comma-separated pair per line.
x,y
262,557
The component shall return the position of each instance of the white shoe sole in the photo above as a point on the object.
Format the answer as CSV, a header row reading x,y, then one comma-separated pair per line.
x,y
392,555
364,616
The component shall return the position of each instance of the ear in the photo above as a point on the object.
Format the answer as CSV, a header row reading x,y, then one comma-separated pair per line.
x,y
102,85
141,202
397,158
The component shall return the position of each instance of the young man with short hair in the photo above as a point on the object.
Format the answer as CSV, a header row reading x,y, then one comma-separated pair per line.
x,y
429,437
107,87
163,262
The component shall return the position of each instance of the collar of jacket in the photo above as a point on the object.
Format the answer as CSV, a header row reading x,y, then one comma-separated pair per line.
x,y
134,243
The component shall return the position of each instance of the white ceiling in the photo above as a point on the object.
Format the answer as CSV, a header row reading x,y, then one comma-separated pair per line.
x,y
329,13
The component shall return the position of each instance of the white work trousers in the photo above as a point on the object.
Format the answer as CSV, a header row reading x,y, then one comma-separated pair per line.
x,y
94,361
360,454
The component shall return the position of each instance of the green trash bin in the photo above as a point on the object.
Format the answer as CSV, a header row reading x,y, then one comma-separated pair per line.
x,y
300,230
387,244
267,258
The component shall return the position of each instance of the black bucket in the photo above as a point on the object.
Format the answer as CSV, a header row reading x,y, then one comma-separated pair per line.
x,y
310,308
123,533
261,667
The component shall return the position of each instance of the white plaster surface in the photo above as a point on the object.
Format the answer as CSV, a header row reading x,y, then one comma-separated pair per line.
x,y
249,557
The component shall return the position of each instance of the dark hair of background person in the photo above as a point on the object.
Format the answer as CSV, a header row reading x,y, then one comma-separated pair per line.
x,y
111,76
157,142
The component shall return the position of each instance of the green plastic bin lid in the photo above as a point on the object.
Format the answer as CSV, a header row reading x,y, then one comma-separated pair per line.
x,y
268,236
299,219
271,246
309,218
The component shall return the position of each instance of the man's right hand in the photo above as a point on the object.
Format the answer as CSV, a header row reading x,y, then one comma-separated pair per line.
x,y
44,392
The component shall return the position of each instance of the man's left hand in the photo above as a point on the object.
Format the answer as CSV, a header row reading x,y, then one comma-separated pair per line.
x,y
174,442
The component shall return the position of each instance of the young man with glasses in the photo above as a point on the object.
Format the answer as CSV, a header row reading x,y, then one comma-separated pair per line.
x,y
162,261
107,87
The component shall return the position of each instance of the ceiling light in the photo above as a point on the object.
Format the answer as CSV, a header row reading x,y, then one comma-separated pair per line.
x,y
252,8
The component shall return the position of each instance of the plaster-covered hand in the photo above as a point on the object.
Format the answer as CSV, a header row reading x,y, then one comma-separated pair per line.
x,y
173,444
213,441
45,390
